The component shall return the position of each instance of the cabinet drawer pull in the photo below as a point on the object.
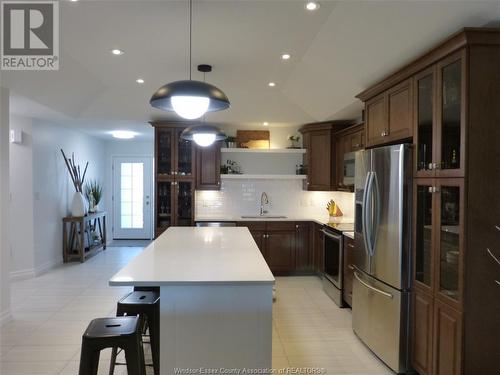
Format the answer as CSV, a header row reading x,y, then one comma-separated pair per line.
x,y
351,267
493,256
350,245
497,228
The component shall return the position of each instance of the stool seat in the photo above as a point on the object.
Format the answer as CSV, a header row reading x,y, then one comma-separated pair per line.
x,y
117,332
112,327
140,298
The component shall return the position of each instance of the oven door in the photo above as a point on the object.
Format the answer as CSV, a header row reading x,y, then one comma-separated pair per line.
x,y
333,257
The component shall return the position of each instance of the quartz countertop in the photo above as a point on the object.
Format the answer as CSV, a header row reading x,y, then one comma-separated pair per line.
x,y
190,255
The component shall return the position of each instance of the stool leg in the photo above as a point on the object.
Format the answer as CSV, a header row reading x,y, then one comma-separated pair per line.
x,y
89,361
154,338
112,363
134,356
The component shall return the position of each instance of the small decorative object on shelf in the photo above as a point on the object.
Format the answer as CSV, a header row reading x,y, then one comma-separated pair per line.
x,y
93,193
231,142
294,141
300,169
231,167
333,209
78,204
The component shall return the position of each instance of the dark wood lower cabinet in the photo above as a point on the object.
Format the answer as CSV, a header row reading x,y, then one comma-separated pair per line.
x,y
421,331
348,271
287,246
447,340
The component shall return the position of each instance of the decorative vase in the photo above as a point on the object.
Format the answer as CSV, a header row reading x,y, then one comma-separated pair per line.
x,y
78,205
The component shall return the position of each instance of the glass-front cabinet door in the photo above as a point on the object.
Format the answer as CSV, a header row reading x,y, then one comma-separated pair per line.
x,y
164,146
449,240
184,192
424,122
164,205
450,135
185,157
423,237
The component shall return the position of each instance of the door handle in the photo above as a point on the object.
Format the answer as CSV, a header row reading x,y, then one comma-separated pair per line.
x,y
493,256
385,294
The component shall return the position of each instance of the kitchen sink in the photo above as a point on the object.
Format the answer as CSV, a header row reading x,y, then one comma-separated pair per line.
x,y
263,217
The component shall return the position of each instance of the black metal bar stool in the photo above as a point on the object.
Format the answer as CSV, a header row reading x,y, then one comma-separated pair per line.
x,y
120,332
146,305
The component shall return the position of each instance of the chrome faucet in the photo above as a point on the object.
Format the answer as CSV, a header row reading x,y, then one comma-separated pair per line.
x,y
263,200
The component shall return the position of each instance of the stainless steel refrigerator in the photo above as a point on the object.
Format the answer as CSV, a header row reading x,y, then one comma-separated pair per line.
x,y
380,307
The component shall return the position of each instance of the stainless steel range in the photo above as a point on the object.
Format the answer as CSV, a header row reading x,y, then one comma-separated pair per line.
x,y
333,258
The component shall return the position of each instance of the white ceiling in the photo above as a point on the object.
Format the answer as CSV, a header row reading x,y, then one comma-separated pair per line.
x,y
337,51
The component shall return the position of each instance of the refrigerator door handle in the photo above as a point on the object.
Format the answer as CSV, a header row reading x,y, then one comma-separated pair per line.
x,y
364,215
369,214
385,294
376,217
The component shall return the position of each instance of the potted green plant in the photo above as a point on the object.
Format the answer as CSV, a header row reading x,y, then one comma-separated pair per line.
x,y
294,141
93,192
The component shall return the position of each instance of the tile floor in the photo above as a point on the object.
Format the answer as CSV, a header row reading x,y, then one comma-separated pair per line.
x,y
51,312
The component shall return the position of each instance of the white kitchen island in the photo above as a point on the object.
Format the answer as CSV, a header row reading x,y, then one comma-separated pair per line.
x,y
215,298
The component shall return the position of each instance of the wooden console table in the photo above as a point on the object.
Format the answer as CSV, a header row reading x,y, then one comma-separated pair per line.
x,y
83,236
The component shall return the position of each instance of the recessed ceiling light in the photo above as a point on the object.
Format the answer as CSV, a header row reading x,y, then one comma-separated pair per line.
x,y
139,80
285,56
271,84
117,52
311,5
123,134
73,1
265,123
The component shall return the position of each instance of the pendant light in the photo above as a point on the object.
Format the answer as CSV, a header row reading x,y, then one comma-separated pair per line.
x,y
203,135
190,99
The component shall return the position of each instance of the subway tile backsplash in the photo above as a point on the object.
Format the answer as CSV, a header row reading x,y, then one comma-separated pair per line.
x,y
286,197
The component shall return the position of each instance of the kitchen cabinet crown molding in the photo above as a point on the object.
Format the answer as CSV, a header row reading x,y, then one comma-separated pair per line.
x,y
462,38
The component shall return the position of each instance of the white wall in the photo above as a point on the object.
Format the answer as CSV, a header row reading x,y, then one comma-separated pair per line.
x,y
53,189
4,207
21,202
114,148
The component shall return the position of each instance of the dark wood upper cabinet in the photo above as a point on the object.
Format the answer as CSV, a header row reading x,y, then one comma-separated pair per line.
x,y
348,140
389,115
321,157
208,167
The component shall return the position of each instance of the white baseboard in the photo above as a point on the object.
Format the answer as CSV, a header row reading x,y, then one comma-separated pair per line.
x,y
5,316
22,274
47,266
29,273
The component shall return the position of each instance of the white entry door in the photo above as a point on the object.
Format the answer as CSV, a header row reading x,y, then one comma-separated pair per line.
x,y
132,195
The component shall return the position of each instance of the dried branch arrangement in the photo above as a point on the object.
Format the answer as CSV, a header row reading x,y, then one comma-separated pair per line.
x,y
74,171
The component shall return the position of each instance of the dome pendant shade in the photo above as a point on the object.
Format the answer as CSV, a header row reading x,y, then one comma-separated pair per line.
x,y
189,98
203,135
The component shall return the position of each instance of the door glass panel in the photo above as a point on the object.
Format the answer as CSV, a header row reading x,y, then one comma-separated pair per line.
x,y
131,196
424,122
451,111
164,205
164,152
184,204
450,241
423,235
184,157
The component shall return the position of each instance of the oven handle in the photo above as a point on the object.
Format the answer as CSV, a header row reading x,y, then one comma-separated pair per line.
x,y
385,294
331,235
